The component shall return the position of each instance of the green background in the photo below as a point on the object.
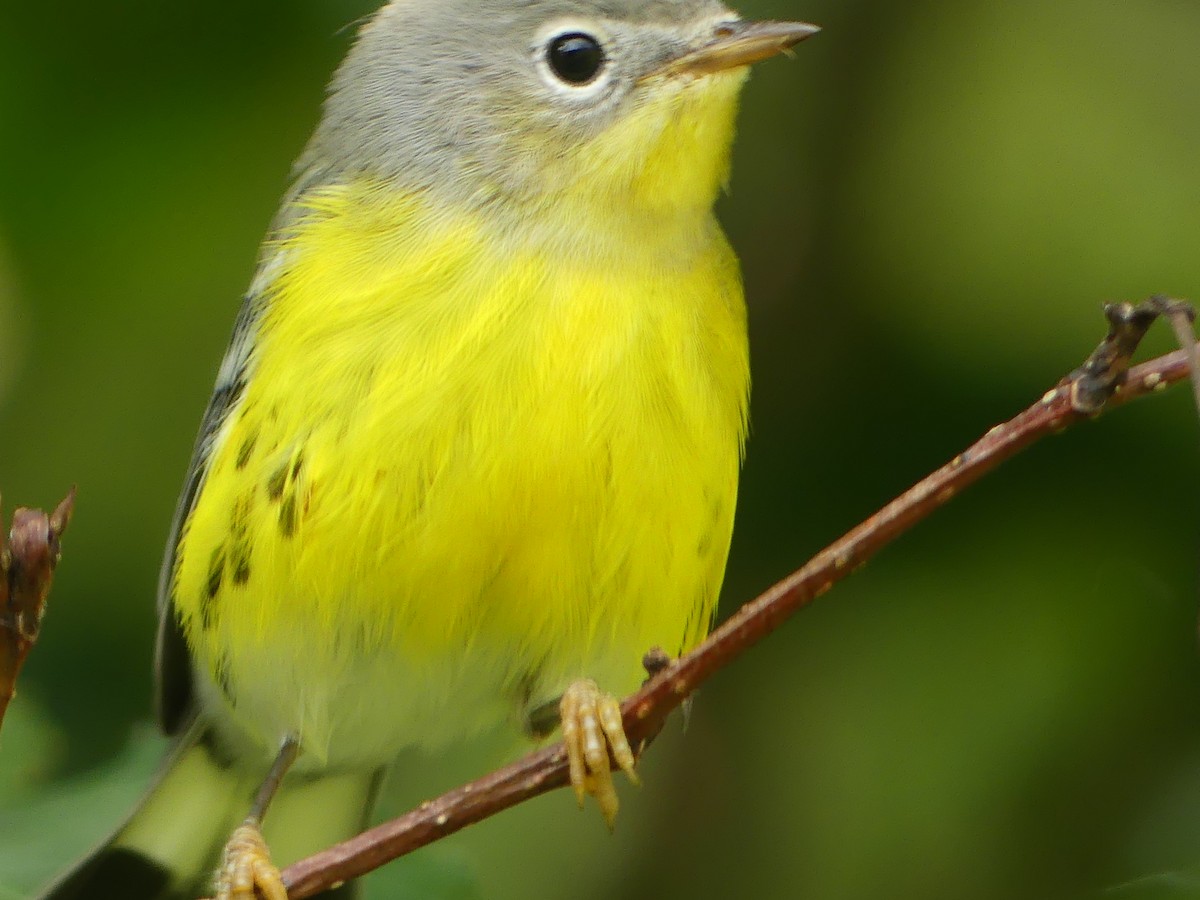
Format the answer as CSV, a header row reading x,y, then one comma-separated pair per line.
x,y
931,201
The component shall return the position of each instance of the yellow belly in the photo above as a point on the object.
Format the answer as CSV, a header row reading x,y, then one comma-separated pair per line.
x,y
463,472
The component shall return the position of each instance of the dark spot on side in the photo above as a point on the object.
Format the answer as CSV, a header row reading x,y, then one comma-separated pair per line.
x,y
298,465
243,507
239,546
246,450
241,563
276,483
705,545
216,571
207,613
287,516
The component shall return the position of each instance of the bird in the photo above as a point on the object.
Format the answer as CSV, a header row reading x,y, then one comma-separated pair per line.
x,y
474,445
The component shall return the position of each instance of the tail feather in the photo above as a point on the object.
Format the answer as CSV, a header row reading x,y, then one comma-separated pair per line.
x,y
169,847
113,873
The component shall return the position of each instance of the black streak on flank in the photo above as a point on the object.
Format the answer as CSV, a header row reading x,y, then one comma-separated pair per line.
x,y
241,564
239,544
276,483
246,450
216,573
287,516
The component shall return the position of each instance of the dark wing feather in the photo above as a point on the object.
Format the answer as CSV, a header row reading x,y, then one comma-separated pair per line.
x,y
173,692
173,667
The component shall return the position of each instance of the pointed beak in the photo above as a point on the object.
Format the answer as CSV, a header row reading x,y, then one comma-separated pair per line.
x,y
737,44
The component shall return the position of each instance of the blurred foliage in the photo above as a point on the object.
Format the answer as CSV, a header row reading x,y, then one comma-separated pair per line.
x,y
931,203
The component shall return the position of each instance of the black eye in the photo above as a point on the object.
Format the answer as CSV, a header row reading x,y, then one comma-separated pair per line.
x,y
576,58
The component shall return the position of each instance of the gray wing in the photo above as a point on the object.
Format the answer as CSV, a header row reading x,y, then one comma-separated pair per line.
x,y
172,661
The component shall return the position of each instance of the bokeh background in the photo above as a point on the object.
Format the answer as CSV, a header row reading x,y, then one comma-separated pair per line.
x,y
932,200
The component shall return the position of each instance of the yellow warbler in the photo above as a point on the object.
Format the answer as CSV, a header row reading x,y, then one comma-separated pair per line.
x,y
474,446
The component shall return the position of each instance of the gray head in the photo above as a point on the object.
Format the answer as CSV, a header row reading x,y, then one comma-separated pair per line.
x,y
516,99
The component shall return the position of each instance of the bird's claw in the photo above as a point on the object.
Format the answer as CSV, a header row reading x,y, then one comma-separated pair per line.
x,y
592,731
247,872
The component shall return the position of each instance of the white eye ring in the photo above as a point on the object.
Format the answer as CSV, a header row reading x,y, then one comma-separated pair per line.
x,y
559,80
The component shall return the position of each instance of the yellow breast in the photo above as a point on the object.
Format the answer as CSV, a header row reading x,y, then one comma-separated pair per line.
x,y
505,460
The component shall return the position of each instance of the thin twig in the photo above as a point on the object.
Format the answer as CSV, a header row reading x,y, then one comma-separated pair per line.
x,y
1104,379
27,563
1182,316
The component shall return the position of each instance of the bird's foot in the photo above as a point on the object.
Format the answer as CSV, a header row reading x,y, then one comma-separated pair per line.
x,y
592,730
246,871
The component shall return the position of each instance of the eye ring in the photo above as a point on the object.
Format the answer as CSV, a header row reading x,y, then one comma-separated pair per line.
x,y
576,58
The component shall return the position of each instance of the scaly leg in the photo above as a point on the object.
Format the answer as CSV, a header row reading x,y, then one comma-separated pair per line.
x,y
246,866
591,730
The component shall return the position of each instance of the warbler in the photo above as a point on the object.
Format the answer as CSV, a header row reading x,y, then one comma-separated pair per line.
x,y
474,446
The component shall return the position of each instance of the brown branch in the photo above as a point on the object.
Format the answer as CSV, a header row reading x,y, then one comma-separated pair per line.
x,y
27,563
1104,379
